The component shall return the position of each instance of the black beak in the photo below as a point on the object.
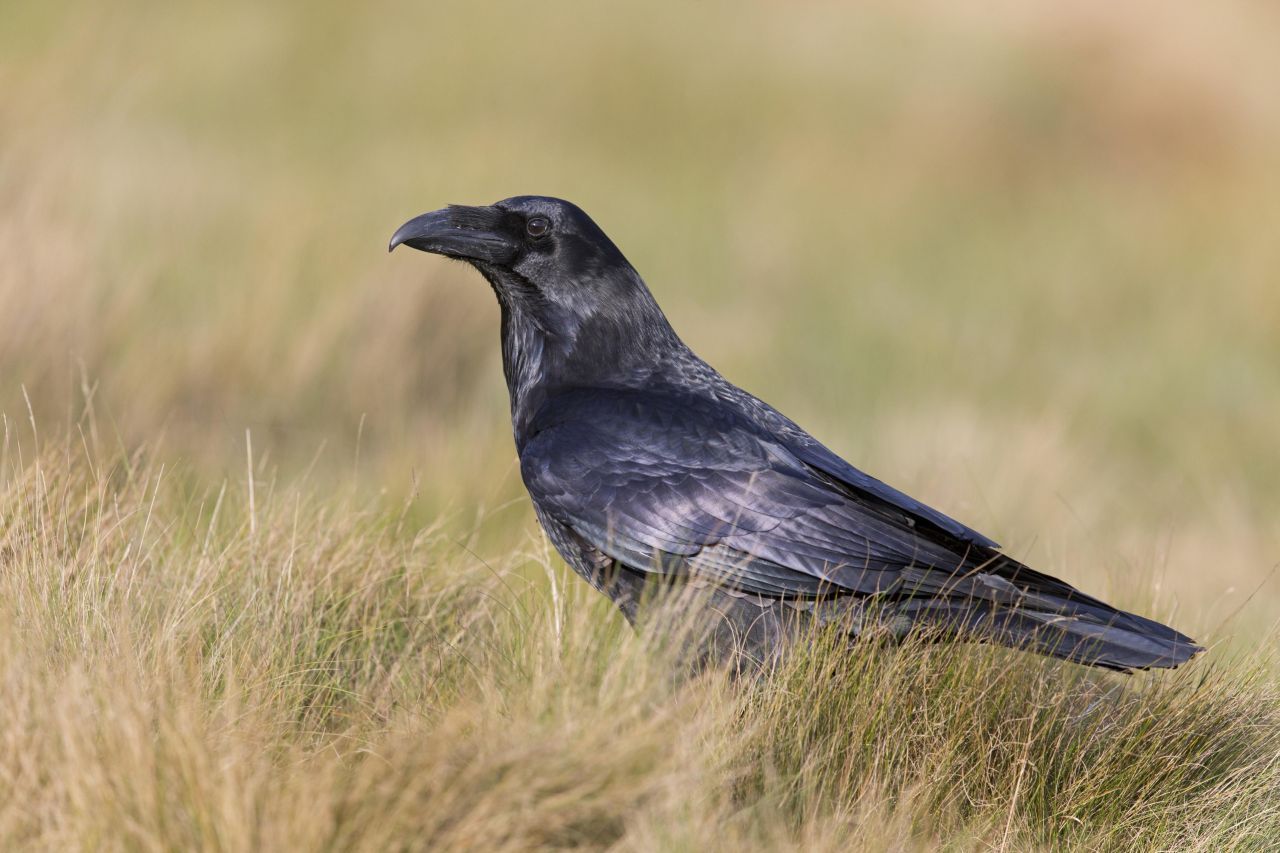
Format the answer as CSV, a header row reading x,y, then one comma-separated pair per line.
x,y
465,233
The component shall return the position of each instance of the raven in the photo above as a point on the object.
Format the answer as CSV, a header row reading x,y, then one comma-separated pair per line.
x,y
646,464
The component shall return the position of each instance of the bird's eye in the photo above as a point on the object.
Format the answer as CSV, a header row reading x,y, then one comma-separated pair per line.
x,y
538,226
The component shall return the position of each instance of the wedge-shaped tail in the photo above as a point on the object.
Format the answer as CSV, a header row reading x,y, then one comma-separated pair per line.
x,y
1094,634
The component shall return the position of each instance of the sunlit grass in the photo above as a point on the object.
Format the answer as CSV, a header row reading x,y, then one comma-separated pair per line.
x,y
303,672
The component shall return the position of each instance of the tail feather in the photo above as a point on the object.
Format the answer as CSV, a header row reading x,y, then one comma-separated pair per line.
x,y
1014,606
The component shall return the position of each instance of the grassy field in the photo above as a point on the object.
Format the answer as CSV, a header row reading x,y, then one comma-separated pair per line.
x,y
269,578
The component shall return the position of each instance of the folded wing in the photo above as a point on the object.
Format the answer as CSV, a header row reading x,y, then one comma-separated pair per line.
x,y
683,486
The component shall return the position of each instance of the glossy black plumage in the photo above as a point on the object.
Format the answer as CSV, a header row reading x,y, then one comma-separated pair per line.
x,y
643,461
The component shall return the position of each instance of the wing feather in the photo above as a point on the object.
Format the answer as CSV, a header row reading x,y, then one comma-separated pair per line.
x,y
681,488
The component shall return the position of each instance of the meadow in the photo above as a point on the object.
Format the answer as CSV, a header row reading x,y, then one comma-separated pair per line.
x,y
268,578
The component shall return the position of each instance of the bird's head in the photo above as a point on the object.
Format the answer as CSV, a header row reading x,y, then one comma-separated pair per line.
x,y
530,245
565,289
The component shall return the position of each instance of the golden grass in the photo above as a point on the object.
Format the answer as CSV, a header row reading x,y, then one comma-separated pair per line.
x,y
1017,260
207,671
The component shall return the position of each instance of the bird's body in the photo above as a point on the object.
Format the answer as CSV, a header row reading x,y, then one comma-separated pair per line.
x,y
644,463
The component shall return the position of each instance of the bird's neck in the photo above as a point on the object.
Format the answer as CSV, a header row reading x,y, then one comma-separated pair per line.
x,y
524,360
547,351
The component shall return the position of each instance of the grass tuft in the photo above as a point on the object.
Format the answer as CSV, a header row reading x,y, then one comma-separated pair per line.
x,y
179,673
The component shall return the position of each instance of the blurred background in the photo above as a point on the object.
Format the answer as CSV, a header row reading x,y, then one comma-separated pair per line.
x,y
1020,260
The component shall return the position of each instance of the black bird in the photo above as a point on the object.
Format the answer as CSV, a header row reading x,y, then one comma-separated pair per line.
x,y
643,462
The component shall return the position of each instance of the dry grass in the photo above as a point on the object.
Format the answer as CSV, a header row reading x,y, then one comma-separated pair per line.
x,y
1017,260
207,671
